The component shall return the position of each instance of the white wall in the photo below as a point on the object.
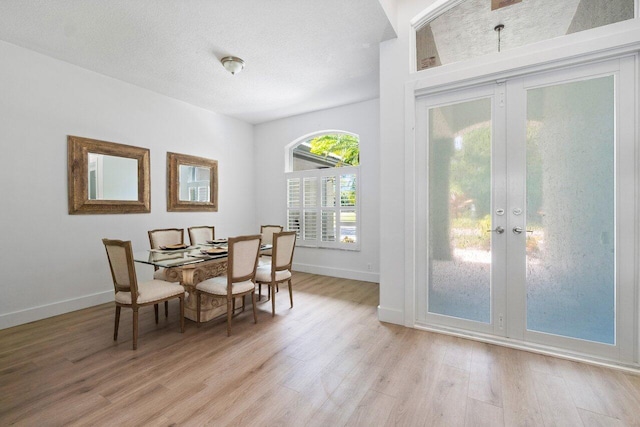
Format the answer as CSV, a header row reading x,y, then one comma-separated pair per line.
x,y
52,262
397,85
271,138
390,7
395,60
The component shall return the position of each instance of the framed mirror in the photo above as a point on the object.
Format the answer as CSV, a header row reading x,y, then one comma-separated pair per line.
x,y
192,183
107,178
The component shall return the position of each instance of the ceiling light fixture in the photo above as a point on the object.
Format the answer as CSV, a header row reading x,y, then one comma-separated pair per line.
x,y
232,64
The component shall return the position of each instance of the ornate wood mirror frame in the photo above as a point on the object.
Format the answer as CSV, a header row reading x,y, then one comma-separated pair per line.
x,y
176,203
78,150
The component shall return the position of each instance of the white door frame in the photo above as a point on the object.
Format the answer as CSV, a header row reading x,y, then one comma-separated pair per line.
x,y
626,211
495,92
625,188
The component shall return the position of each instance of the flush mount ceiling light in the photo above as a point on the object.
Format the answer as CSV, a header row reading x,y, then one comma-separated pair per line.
x,y
232,64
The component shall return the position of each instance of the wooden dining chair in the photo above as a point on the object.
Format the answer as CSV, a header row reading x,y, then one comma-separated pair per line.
x,y
239,280
163,237
130,293
201,234
266,231
279,270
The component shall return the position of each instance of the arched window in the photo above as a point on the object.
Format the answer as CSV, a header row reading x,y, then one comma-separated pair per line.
x,y
322,189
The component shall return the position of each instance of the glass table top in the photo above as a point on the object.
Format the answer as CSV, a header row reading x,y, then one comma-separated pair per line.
x,y
189,255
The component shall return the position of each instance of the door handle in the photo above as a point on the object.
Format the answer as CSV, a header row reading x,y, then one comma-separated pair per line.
x,y
498,230
518,230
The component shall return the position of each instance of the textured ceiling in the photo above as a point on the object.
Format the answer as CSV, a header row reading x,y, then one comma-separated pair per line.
x,y
301,55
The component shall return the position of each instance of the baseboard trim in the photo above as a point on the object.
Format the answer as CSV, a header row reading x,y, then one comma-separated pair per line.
x,y
364,276
33,314
28,315
390,315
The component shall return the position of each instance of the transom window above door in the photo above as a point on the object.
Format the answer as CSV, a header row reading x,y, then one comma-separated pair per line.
x,y
463,29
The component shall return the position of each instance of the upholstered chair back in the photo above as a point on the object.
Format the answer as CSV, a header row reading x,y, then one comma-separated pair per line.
x,y
243,257
166,236
123,272
284,244
267,233
199,235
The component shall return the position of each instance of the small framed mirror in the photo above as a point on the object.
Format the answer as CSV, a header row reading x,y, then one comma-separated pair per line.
x,y
107,178
192,183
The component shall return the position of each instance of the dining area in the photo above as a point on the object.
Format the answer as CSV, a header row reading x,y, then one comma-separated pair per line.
x,y
211,277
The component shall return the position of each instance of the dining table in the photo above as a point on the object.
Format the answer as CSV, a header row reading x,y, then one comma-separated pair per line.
x,y
190,265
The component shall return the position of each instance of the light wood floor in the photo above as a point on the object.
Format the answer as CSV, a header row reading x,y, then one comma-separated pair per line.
x,y
326,362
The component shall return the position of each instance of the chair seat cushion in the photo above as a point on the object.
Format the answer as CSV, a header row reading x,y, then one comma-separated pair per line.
x,y
218,286
153,290
263,274
264,261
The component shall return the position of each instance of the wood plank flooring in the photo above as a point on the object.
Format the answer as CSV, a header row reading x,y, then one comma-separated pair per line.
x,y
326,362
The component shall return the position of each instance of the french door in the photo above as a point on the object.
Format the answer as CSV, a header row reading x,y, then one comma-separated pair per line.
x,y
526,209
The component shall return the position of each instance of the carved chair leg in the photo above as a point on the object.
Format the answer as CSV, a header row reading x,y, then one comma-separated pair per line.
x,y
259,290
155,310
115,328
290,293
253,300
135,328
166,309
273,299
243,301
229,314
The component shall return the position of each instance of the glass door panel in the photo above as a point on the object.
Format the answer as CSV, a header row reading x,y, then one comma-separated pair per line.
x,y
526,210
570,200
459,238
